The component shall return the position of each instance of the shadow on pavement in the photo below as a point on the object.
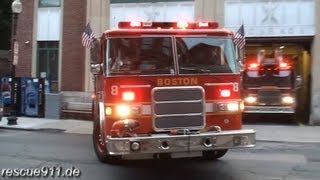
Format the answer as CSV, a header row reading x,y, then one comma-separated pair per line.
x,y
186,169
272,119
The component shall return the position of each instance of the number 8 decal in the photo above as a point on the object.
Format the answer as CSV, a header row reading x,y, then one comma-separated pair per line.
x,y
235,87
114,90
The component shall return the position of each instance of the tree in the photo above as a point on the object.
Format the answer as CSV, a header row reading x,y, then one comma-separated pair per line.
x,y
5,21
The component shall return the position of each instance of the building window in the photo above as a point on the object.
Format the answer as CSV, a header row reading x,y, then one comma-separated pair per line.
x,y
49,3
48,62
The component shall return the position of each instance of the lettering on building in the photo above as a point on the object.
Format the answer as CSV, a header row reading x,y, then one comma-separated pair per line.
x,y
270,10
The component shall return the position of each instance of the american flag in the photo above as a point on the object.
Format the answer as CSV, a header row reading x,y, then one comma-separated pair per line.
x,y
87,36
239,38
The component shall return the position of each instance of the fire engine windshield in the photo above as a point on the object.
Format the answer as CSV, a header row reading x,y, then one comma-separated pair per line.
x,y
155,55
139,56
205,55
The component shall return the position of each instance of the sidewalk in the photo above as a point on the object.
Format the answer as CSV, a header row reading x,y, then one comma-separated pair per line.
x,y
276,133
67,125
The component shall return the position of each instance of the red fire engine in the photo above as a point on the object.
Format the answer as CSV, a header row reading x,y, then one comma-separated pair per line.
x,y
166,89
269,84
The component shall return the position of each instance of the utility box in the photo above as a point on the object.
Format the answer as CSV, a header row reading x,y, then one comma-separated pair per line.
x,y
53,105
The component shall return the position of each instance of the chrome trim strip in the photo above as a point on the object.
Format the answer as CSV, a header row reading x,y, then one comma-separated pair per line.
x,y
146,109
101,112
271,88
182,143
177,115
268,109
209,107
135,86
219,84
172,102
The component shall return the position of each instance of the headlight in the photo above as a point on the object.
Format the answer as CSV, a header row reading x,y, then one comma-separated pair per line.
x,y
287,100
241,106
108,111
128,96
250,99
123,110
229,106
233,106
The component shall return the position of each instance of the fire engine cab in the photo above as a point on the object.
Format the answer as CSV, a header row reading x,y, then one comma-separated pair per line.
x,y
269,83
166,90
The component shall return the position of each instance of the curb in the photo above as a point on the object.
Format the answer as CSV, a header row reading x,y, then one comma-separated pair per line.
x,y
283,141
33,129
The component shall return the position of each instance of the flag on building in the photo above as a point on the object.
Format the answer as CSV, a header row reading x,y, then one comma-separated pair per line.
x,y
88,36
239,38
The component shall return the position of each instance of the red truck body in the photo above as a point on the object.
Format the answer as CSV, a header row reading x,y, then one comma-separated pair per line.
x,y
162,90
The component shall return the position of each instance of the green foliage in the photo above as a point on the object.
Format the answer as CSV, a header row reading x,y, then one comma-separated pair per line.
x,y
5,24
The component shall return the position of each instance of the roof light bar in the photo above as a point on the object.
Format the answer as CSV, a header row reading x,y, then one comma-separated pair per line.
x,y
182,25
167,25
203,24
135,24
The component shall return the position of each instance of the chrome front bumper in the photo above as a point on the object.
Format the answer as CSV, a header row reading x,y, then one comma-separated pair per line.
x,y
269,109
165,143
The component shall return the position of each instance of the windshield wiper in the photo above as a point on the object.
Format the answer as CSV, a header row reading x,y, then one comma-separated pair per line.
x,y
125,72
196,69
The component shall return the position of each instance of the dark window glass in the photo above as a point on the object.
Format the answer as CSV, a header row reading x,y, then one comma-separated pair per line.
x,y
48,61
145,55
205,55
49,3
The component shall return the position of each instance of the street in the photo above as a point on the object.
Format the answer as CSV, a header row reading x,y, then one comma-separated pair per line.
x,y
56,149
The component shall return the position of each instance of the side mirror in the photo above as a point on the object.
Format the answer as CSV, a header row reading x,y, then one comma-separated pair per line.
x,y
95,60
298,82
95,52
241,66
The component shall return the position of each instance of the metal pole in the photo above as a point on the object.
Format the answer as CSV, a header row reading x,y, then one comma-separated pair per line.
x,y
13,39
12,119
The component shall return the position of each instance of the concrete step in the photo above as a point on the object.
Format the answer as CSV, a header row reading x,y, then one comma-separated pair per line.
x,y
76,105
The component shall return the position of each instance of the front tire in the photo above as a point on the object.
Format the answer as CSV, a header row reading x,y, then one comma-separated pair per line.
x,y
213,154
100,146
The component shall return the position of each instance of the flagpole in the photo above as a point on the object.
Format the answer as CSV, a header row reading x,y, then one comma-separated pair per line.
x,y
239,40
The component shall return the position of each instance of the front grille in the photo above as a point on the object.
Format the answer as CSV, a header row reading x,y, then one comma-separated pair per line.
x,y
269,97
178,107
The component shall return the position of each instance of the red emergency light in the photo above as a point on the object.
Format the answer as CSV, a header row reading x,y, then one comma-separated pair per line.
x,y
182,25
135,24
284,66
128,96
167,25
253,66
225,93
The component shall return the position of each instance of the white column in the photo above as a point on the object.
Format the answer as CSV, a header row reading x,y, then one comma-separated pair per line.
x,y
34,41
98,13
209,10
315,71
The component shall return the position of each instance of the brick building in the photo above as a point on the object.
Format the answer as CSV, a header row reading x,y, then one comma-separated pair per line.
x,y
49,33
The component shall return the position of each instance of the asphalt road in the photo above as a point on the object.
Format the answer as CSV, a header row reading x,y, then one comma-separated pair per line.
x,y
45,150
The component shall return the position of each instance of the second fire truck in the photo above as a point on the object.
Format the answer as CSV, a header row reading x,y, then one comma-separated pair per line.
x,y
269,84
167,90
